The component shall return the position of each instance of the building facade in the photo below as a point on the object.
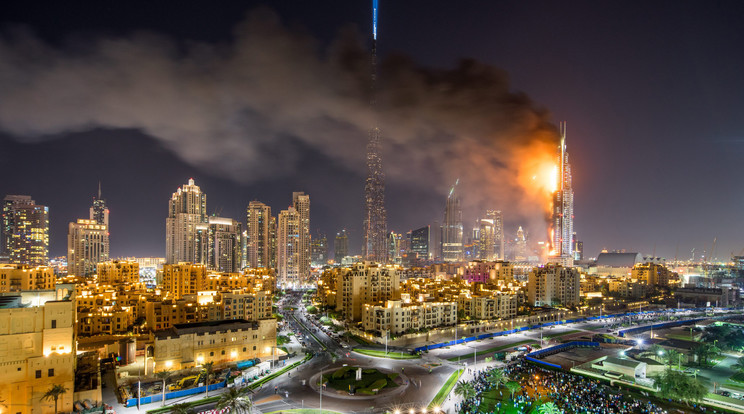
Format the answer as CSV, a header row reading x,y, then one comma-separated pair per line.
x,y
563,204
554,284
452,229
19,277
341,246
260,231
87,245
187,225
225,247
301,204
25,231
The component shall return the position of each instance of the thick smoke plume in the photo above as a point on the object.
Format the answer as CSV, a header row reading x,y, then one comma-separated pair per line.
x,y
249,108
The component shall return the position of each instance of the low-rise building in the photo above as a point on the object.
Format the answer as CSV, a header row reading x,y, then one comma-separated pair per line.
x,y
189,345
554,284
396,317
37,349
19,277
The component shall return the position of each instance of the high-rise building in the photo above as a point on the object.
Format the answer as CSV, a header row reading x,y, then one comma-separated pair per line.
x,y
301,203
288,247
98,211
578,248
186,227
374,246
491,236
341,246
225,248
420,242
520,246
319,250
184,279
25,231
563,205
87,245
259,230
452,243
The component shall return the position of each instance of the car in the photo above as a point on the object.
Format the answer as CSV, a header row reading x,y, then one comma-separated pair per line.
x,y
725,393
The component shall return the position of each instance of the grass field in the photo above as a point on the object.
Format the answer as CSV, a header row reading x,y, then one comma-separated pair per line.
x,y
490,350
344,379
304,411
446,389
556,335
382,354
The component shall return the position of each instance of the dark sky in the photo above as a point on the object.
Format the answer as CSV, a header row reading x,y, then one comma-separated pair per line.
x,y
652,92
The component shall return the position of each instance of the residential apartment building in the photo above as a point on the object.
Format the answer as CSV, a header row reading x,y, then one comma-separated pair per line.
x,y
396,318
553,284
365,283
18,277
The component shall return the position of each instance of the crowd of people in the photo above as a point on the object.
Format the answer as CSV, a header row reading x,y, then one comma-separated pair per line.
x,y
569,392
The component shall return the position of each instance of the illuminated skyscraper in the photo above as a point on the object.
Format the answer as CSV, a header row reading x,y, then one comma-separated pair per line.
x,y
186,226
259,230
421,243
563,205
87,245
341,246
288,248
25,231
98,211
224,250
491,236
319,250
374,247
520,246
301,203
452,246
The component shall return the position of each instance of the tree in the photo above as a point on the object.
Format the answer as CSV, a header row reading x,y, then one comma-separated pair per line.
x,y
208,370
678,386
673,357
54,393
163,375
704,352
495,378
549,408
512,387
182,408
236,400
739,365
465,390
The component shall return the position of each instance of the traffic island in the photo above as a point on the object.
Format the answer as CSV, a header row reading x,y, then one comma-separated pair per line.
x,y
359,383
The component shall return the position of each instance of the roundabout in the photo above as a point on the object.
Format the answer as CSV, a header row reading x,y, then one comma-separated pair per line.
x,y
359,383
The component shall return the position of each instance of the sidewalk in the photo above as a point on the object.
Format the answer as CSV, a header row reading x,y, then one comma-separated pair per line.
x,y
109,393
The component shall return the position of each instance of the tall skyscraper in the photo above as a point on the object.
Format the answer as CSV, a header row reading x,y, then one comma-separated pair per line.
x,y
301,203
288,247
25,231
259,223
224,250
452,246
341,246
98,211
319,250
520,246
563,204
374,247
421,242
491,236
186,227
87,245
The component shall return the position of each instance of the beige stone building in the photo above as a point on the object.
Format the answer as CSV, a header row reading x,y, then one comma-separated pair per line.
x,y
37,349
396,317
654,274
19,277
118,272
365,283
184,279
553,284
190,345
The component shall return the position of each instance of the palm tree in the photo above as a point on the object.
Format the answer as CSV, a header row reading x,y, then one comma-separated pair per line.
x,y
465,390
54,394
163,375
549,408
673,357
738,365
496,378
182,408
209,370
512,387
236,400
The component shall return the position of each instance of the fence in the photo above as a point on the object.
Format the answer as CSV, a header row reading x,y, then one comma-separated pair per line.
x,y
132,402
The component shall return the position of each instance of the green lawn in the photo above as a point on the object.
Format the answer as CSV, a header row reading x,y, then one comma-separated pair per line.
x,y
304,411
446,389
573,331
344,379
490,398
490,350
360,340
382,354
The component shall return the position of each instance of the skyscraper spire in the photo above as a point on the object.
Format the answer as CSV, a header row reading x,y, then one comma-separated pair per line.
x,y
375,216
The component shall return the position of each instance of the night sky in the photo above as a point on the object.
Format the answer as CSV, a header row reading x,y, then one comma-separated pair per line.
x,y
652,93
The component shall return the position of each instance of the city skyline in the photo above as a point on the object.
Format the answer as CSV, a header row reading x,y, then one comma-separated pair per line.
x,y
619,156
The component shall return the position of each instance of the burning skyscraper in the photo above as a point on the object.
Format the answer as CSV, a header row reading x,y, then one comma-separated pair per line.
x,y
563,207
